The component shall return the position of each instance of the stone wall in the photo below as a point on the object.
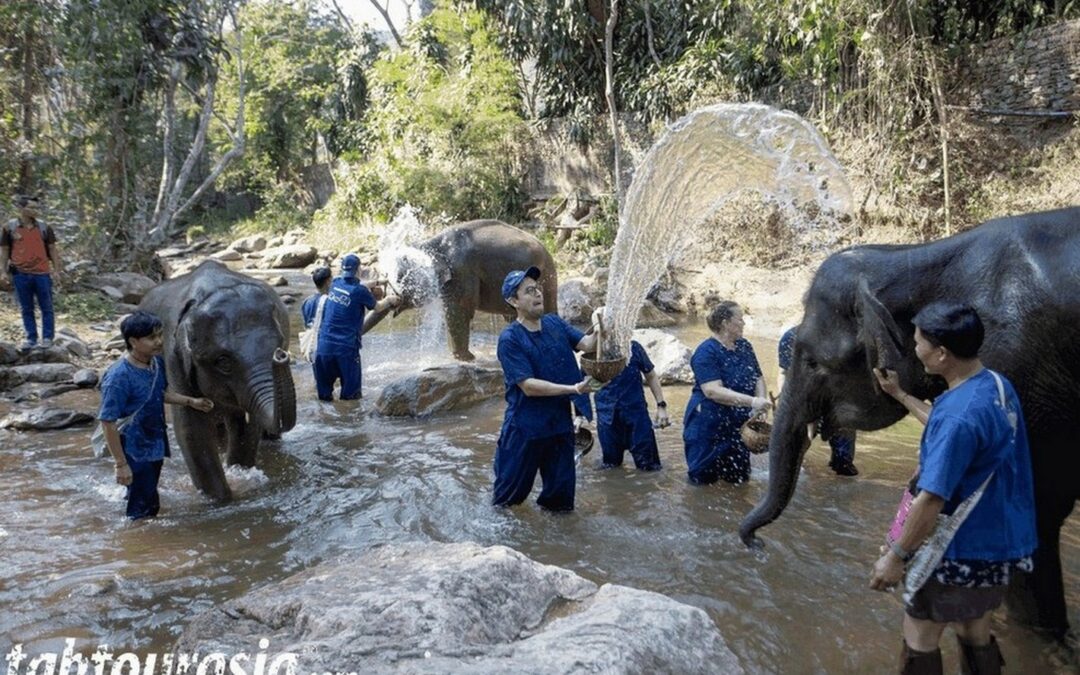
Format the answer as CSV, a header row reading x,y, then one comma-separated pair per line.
x,y
1040,72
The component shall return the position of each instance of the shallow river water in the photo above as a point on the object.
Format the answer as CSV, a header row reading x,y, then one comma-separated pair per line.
x,y
345,479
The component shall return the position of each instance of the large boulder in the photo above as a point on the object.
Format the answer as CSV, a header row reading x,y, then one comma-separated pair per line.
x,y
650,316
439,608
9,354
670,357
45,372
578,297
439,389
44,419
130,285
289,256
255,242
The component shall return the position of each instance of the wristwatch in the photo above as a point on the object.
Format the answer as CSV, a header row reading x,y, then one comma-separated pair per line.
x,y
661,404
899,552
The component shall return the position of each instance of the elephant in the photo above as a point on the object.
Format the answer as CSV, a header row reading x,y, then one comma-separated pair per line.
x,y
226,338
1020,273
470,261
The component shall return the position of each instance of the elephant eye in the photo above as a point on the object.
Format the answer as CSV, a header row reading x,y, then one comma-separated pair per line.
x,y
224,364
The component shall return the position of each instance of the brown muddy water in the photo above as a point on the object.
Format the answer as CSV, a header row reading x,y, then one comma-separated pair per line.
x,y
345,479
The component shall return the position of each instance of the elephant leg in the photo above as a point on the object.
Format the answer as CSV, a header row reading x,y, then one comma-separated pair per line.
x,y
199,442
1037,598
244,437
458,320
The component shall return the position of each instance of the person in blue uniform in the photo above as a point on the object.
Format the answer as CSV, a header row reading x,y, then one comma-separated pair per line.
x,y
338,354
729,389
975,438
622,415
322,278
842,461
542,377
135,389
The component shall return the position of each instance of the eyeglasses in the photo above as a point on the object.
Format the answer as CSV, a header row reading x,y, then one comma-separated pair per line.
x,y
532,290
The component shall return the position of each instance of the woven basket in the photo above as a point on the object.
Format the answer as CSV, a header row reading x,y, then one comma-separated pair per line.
x,y
604,370
755,434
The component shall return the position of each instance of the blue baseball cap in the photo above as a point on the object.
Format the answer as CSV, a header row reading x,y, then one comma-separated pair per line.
x,y
514,279
349,265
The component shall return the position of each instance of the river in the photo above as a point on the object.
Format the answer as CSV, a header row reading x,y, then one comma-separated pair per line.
x,y
345,479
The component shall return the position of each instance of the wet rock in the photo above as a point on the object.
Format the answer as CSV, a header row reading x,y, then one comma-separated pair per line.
x,y
651,317
227,255
9,354
578,297
255,242
438,389
289,256
437,608
670,357
44,419
45,372
87,377
132,286
10,378
57,390
278,281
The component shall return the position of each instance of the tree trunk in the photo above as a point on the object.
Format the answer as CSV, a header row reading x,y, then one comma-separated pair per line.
x,y
609,94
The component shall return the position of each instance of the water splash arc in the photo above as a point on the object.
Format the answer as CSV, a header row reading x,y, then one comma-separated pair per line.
x,y
699,164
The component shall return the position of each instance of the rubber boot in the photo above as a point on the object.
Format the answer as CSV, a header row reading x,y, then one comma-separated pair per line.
x,y
919,663
984,660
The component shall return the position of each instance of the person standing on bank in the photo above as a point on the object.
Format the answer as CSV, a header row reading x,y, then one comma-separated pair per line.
x,y
338,354
27,248
729,389
136,388
623,415
842,461
541,374
974,431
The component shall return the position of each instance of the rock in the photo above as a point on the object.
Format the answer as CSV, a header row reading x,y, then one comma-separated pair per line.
x,y
226,255
437,608
74,345
43,419
172,252
10,378
290,256
124,309
274,242
255,242
54,354
578,297
85,378
278,281
294,237
289,299
132,286
439,389
670,357
112,293
9,354
651,317
114,343
56,390
45,372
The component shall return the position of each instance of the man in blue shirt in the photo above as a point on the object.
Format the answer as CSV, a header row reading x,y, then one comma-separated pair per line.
x,y
542,376
975,430
623,415
321,277
842,461
338,353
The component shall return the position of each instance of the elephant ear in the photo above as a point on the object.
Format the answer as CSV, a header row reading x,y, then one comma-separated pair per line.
x,y
182,343
878,331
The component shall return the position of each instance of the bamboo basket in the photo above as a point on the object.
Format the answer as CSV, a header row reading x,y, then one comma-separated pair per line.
x,y
755,434
602,370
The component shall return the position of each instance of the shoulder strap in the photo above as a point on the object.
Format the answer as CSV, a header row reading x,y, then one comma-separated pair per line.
x,y
1010,415
153,383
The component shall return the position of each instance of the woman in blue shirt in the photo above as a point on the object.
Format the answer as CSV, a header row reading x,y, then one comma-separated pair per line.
x,y
728,390
969,436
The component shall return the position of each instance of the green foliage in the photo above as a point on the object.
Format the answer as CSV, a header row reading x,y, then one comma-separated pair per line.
x,y
83,307
604,224
441,127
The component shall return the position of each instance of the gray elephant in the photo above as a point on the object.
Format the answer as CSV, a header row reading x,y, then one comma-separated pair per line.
x,y
1021,275
470,262
226,339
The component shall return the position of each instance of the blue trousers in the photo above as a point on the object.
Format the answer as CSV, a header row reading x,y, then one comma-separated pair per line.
x,y
629,430
27,288
142,494
843,450
518,458
711,459
329,369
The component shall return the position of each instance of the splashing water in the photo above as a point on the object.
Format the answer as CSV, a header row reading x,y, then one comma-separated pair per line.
x,y
700,163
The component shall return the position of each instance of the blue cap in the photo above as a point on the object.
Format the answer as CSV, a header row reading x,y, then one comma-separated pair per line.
x,y
349,265
514,279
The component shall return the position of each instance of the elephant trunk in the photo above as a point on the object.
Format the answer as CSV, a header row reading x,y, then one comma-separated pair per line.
x,y
271,397
787,445
284,393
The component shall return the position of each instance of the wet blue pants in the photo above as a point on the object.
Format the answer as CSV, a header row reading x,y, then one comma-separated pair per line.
x,y
711,459
27,288
517,459
629,430
142,494
843,450
328,369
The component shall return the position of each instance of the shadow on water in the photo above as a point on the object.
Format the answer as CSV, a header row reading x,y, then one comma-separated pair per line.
x,y
345,479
